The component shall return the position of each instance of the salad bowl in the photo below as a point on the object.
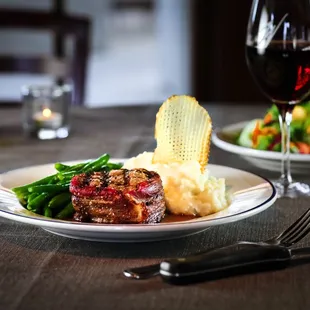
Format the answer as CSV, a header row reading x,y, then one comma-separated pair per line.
x,y
226,139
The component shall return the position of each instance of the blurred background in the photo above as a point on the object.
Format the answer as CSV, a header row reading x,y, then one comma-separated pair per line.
x,y
127,52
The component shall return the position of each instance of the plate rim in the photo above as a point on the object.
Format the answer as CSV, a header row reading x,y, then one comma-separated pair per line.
x,y
41,221
245,151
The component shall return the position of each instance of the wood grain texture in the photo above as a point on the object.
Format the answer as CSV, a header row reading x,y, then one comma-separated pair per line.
x,y
42,271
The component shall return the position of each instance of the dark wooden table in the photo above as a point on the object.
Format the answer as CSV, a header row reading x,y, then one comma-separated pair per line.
x,y
43,271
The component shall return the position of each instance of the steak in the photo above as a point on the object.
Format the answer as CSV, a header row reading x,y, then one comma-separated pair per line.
x,y
118,197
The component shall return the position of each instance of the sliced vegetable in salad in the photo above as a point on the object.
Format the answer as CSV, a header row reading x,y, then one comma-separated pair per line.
x,y
265,134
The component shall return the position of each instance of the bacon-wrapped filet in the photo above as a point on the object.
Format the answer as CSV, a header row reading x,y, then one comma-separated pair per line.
x,y
118,197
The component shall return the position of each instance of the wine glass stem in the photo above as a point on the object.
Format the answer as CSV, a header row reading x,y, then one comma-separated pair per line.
x,y
285,118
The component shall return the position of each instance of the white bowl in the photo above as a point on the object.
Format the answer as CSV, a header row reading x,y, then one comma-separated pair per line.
x,y
268,160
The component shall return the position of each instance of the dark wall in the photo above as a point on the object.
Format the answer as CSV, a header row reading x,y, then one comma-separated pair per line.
x,y
219,67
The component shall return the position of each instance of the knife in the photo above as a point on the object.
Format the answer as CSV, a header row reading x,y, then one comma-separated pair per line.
x,y
149,271
241,258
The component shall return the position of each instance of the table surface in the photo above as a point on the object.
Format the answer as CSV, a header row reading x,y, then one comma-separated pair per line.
x,y
42,271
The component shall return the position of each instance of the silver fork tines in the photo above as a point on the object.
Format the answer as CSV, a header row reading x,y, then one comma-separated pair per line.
x,y
296,231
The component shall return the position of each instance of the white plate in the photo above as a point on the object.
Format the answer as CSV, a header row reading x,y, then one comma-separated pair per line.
x,y
268,160
255,194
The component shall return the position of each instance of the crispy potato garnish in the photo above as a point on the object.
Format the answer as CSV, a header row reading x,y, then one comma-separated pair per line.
x,y
182,131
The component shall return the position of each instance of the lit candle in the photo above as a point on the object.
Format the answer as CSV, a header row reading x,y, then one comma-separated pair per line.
x,y
48,119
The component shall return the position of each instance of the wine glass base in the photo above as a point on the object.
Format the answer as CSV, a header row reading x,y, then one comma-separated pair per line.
x,y
292,190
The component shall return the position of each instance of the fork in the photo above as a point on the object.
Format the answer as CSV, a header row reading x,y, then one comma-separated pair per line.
x,y
282,242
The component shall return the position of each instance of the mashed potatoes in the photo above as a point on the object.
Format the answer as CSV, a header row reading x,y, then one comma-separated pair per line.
x,y
187,190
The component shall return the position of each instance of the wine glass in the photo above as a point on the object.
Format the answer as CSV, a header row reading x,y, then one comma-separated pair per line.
x,y
278,57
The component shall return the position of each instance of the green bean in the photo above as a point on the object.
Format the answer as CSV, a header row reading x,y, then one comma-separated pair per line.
x,y
96,163
77,167
50,188
65,168
29,207
36,203
59,200
65,213
66,175
20,192
53,180
67,181
61,167
70,174
112,166
24,188
48,212
32,196
107,167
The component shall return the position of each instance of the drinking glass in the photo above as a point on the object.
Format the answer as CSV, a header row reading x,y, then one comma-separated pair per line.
x,y
278,57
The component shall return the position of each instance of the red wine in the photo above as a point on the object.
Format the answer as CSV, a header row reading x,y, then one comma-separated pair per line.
x,y
283,75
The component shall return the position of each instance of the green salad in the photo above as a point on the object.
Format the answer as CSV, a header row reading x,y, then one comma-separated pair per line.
x,y
264,133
